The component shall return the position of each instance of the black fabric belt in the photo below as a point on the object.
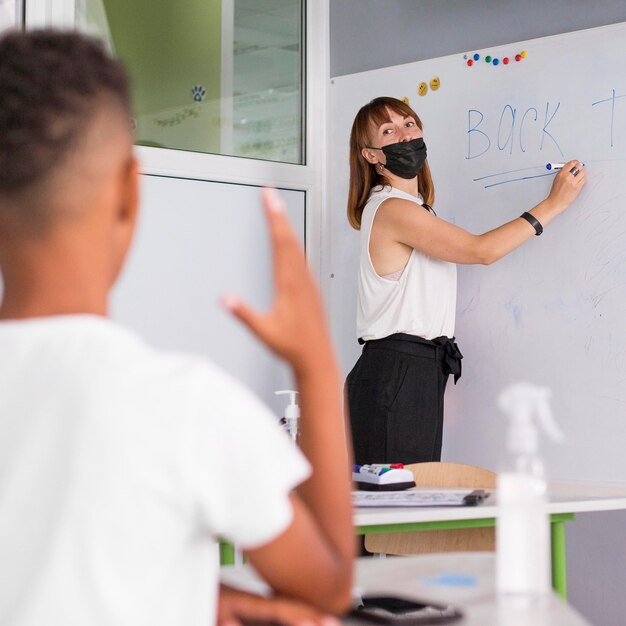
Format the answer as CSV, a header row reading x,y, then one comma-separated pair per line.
x,y
445,347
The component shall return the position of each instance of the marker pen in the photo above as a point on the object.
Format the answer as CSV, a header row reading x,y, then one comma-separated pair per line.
x,y
557,166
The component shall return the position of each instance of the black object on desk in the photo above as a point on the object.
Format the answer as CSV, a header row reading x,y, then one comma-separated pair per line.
x,y
398,611
476,497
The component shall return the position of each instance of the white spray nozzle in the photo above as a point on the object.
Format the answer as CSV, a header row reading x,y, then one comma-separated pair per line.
x,y
525,404
291,413
292,410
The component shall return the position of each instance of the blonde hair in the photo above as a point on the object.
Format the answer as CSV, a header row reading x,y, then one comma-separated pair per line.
x,y
363,175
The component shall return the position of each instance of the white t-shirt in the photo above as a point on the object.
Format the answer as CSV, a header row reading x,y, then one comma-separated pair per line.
x,y
119,466
422,302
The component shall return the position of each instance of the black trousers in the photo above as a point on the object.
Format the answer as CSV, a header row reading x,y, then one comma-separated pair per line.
x,y
395,398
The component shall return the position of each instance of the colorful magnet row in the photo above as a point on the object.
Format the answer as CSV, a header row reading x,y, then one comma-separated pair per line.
x,y
471,59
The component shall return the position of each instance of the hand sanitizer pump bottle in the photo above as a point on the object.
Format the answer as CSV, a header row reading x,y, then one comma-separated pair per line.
x,y
523,524
291,414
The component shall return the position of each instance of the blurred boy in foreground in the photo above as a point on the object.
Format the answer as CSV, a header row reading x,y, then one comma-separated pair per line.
x,y
120,464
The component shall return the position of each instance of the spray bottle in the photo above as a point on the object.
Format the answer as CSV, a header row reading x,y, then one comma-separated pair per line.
x,y
291,414
523,524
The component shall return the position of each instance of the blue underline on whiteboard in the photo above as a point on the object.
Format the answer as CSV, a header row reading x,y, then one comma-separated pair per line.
x,y
525,169
513,180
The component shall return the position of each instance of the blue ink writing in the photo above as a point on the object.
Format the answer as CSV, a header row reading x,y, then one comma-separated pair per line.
x,y
545,125
479,131
612,100
509,139
474,129
521,126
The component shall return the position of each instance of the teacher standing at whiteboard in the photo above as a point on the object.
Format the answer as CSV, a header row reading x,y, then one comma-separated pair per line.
x,y
407,283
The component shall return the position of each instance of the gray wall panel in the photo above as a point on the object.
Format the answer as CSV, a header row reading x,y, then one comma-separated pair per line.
x,y
369,34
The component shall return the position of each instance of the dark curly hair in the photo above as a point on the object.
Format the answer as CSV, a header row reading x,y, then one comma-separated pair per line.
x,y
51,84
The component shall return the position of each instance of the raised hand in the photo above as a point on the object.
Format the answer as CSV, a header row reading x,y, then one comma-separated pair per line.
x,y
321,532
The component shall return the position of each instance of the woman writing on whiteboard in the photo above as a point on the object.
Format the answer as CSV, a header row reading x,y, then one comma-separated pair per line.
x,y
407,283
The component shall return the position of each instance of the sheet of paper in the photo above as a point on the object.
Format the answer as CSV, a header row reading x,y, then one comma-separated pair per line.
x,y
410,497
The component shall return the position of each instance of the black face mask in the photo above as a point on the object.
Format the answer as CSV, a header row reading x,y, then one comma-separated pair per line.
x,y
404,159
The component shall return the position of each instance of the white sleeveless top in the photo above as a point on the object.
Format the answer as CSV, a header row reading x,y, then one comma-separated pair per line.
x,y
422,302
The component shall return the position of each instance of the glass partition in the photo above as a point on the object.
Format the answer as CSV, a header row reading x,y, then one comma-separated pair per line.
x,y
218,76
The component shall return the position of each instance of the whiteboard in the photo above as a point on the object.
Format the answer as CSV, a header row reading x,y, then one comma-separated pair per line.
x,y
195,241
554,311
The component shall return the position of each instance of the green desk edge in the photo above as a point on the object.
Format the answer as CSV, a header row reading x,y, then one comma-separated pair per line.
x,y
557,527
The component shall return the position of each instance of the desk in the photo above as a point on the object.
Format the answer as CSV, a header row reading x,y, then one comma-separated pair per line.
x,y
565,499
412,576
